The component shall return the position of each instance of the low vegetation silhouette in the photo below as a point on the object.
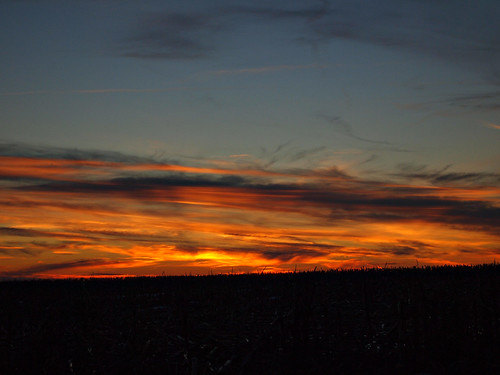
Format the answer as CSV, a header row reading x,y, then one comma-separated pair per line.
x,y
421,320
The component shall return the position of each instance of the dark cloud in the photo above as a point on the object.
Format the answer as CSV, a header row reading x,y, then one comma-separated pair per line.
x,y
369,160
468,177
343,127
406,248
305,153
179,180
282,251
288,253
18,232
172,35
341,198
49,152
489,101
443,177
467,35
323,172
128,236
38,269
416,244
400,250
138,184
193,35
434,28
11,249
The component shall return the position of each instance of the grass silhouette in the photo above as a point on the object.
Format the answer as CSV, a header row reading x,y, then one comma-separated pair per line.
x,y
434,320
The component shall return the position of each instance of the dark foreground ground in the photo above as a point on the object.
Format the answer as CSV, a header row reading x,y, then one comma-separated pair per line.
x,y
405,321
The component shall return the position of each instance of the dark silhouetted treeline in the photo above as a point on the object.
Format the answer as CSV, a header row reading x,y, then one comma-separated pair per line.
x,y
442,320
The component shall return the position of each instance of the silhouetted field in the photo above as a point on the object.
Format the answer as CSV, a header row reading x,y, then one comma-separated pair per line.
x,y
409,321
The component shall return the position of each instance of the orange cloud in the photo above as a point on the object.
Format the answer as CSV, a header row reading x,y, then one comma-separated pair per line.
x,y
493,126
77,217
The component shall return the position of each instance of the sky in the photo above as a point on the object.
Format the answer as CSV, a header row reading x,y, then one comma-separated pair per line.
x,y
192,137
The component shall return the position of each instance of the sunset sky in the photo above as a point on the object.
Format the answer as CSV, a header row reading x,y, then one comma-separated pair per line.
x,y
194,137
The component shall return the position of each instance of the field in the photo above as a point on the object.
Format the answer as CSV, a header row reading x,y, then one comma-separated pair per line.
x,y
441,320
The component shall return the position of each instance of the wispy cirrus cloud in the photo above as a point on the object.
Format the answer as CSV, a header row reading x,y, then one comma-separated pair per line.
x,y
343,127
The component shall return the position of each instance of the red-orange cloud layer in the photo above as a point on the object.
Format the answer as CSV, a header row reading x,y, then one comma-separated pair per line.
x,y
109,214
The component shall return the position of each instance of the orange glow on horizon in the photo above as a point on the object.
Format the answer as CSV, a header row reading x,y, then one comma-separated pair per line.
x,y
84,219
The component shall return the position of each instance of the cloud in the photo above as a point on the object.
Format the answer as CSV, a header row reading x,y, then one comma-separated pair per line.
x,y
190,35
488,101
346,199
39,269
50,152
400,250
436,29
15,251
341,126
97,91
278,216
443,177
266,69
18,232
306,153
407,248
493,126
173,35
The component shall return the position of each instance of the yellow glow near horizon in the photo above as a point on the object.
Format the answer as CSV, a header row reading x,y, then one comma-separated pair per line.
x,y
75,224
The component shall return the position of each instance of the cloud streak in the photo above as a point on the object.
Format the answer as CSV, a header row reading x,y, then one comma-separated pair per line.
x,y
41,269
266,69
173,35
493,126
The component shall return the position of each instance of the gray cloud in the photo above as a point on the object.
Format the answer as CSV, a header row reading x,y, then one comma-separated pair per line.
x,y
18,232
172,35
489,101
435,28
406,248
50,152
443,177
305,153
343,127
193,35
11,249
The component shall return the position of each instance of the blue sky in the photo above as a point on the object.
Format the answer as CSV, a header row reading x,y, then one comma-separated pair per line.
x,y
401,91
180,76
